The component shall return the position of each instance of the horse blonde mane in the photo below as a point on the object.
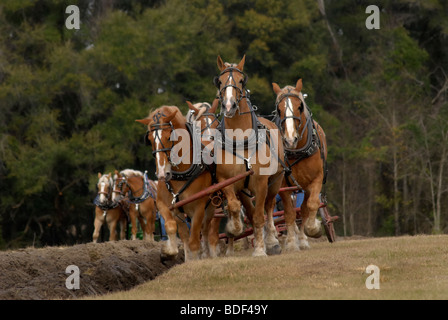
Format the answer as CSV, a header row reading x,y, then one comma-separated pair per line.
x,y
230,65
131,173
106,179
202,107
178,117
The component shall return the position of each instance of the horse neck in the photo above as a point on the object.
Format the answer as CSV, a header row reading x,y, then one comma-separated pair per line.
x,y
184,166
242,118
136,186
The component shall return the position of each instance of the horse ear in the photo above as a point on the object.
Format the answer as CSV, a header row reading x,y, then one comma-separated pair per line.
x,y
276,88
220,63
240,65
144,121
299,85
192,107
99,175
214,106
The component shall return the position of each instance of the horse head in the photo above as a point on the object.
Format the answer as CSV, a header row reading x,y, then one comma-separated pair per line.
x,y
205,114
231,85
162,124
290,108
128,180
104,186
117,190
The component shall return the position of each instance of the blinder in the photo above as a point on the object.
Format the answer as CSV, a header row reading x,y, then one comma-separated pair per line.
x,y
146,140
216,82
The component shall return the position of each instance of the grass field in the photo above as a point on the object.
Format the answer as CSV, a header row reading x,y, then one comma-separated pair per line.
x,y
411,267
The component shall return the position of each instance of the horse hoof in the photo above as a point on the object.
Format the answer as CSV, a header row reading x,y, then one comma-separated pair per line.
x,y
259,253
292,248
314,234
165,257
274,250
233,230
233,233
304,245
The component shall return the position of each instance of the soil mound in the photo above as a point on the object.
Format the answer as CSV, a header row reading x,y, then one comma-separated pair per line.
x,y
37,274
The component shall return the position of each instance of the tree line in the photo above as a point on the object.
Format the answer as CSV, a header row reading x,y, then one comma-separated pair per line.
x,y
69,98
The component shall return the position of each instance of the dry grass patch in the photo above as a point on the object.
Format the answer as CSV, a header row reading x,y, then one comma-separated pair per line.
x,y
410,268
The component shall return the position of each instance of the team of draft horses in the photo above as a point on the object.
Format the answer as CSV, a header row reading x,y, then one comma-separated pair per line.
x,y
287,151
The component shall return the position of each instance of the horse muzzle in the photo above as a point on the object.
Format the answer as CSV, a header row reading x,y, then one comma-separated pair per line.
x,y
165,177
291,143
229,108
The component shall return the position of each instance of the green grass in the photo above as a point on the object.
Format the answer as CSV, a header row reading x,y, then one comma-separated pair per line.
x,y
411,267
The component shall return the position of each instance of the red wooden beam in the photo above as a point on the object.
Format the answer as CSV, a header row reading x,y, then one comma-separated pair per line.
x,y
211,189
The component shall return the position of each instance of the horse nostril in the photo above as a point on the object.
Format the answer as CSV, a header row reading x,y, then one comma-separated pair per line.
x,y
168,176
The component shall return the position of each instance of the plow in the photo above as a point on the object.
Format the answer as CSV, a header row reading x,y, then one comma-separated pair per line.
x,y
279,219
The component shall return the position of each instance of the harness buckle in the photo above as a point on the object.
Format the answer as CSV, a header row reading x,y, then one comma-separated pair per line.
x,y
175,195
247,161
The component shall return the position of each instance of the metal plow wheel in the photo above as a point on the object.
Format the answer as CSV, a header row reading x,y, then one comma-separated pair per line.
x,y
327,221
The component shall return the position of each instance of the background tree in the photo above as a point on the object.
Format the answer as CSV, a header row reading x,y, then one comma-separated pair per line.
x,y
69,98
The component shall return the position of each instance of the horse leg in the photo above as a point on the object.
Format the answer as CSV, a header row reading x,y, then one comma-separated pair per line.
x,y
151,220
112,224
184,233
291,242
312,225
122,227
143,224
169,247
98,223
210,233
195,231
234,226
271,240
133,217
248,205
258,217
148,234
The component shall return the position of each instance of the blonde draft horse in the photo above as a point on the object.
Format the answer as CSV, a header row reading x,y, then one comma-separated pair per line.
x,y
142,207
306,153
107,211
177,180
261,150
205,114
